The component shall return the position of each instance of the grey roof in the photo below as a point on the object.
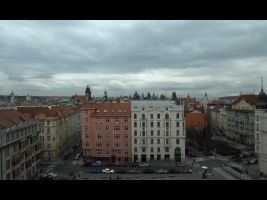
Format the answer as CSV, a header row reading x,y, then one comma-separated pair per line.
x,y
154,104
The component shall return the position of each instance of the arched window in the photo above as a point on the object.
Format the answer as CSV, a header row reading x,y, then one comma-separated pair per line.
x,y
166,116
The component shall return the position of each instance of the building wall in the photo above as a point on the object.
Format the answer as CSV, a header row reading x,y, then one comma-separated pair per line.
x,y
105,135
20,152
142,137
261,138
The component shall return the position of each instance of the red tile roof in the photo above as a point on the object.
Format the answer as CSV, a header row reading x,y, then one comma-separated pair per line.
x,y
251,99
195,120
11,117
115,107
33,111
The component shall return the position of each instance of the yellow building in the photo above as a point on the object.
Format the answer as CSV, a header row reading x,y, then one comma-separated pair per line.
x,y
60,129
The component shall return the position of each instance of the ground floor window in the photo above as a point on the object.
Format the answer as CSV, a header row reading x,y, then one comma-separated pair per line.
x,y
167,156
151,156
158,157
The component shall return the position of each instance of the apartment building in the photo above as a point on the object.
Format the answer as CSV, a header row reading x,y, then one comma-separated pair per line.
x,y
158,131
60,129
19,146
106,131
261,131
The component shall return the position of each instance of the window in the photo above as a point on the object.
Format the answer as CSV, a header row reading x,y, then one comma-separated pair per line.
x,y
126,152
167,141
143,116
143,149
98,144
177,124
257,136
117,145
158,149
167,124
177,116
166,116
126,119
22,167
126,128
107,119
158,116
158,132
85,128
107,135
167,133
107,144
151,116
151,150
158,141
135,133
107,128
151,133
135,149
166,149
48,122
97,110
7,137
126,144
117,120
151,124
257,125
144,141
143,124
135,124
117,136
177,132
177,141
98,120
166,108
15,147
48,145
48,138
152,141
135,141
135,116
98,136
7,151
143,133
158,124
7,164
98,128
126,136
116,128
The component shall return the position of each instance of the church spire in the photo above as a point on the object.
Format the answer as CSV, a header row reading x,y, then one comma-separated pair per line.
x,y
261,84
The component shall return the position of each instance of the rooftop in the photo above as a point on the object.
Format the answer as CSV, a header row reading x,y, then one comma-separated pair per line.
x,y
11,117
195,120
155,104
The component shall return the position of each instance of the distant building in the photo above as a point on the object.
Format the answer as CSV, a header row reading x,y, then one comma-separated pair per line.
x,y
19,146
106,131
158,131
12,98
261,130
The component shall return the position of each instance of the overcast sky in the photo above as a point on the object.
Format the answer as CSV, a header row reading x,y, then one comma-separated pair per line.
x,y
61,57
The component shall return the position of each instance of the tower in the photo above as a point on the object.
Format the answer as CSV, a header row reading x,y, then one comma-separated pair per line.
x,y
105,95
28,98
88,93
12,97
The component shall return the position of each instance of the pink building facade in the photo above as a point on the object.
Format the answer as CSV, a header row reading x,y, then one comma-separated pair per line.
x,y
106,132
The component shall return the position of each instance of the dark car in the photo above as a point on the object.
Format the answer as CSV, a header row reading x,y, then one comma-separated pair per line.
x,y
148,171
87,164
208,153
172,171
134,171
134,164
121,171
94,170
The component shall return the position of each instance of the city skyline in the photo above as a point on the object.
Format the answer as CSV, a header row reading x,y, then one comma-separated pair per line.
x,y
59,58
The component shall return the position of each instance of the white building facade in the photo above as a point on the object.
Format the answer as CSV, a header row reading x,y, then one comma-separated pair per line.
x,y
158,131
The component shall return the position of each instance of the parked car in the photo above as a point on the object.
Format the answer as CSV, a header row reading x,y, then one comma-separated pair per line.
x,y
108,171
94,170
87,164
172,171
162,171
134,164
208,153
121,171
134,171
148,171
143,165
253,161
52,175
98,163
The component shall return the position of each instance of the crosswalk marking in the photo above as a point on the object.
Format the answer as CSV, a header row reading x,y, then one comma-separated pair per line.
x,y
75,162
